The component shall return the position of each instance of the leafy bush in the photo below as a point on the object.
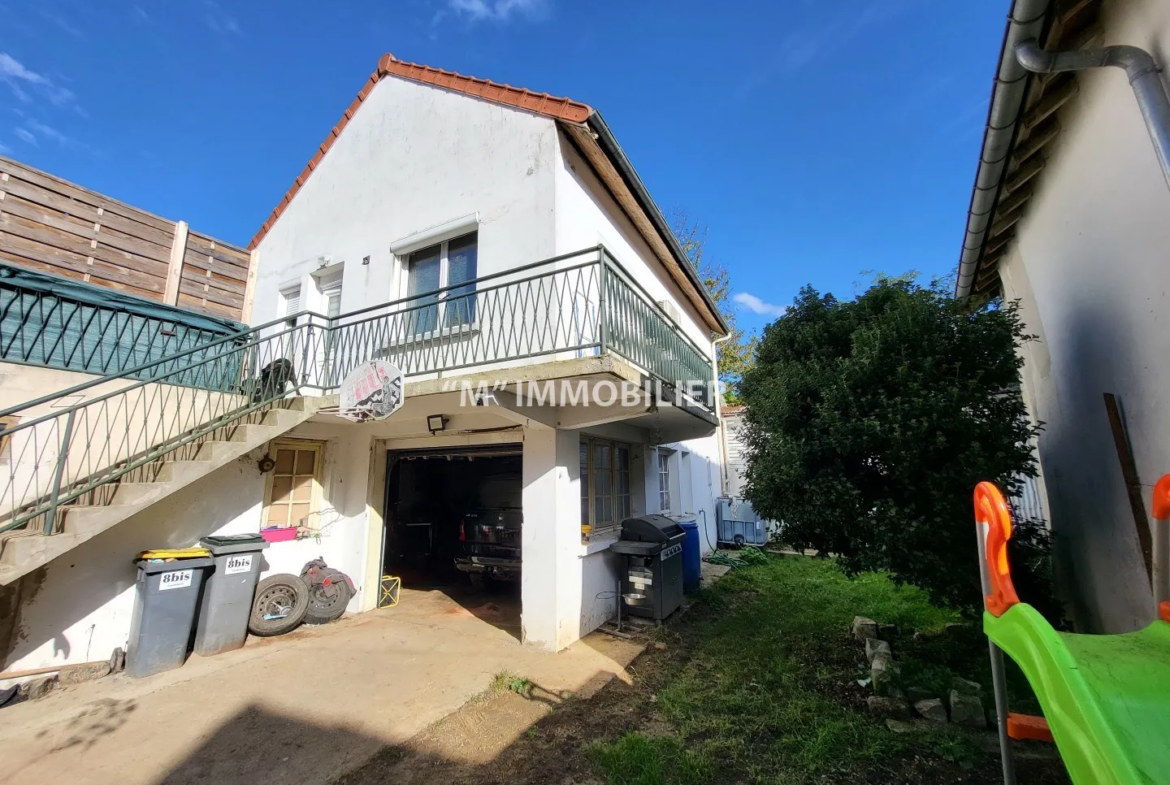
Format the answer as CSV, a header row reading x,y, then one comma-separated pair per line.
x,y
870,422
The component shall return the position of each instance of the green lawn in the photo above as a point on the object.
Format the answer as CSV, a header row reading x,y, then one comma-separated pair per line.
x,y
761,686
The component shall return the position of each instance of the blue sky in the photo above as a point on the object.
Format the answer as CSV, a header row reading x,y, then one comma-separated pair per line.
x,y
814,138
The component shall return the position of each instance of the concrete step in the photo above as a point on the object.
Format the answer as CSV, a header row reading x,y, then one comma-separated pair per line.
x,y
20,551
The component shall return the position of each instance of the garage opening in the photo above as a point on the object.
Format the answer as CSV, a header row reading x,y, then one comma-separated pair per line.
x,y
453,524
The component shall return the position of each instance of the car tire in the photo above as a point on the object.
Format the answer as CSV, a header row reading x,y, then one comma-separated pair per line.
x,y
479,581
279,605
327,603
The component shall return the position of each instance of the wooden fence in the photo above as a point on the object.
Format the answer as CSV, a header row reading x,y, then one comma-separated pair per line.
x,y
53,226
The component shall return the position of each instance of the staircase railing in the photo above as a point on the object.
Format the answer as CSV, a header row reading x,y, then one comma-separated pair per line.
x,y
70,443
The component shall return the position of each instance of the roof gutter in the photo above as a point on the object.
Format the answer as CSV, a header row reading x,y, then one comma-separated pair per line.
x,y
614,150
1025,22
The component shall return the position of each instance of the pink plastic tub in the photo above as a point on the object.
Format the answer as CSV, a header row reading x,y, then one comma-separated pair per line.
x,y
279,535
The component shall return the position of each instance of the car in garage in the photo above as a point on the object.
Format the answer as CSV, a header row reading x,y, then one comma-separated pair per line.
x,y
489,545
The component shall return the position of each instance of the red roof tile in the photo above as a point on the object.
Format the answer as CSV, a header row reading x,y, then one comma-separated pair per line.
x,y
564,109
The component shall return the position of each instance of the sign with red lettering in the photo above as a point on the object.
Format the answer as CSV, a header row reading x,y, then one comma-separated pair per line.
x,y
371,391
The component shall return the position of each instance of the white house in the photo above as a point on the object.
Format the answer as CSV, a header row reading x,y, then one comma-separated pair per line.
x,y
1069,217
497,246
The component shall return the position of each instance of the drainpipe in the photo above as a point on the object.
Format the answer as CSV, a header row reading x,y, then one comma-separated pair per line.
x,y
718,414
1143,78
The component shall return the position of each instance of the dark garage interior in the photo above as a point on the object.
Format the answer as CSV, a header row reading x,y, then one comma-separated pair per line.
x,y
451,507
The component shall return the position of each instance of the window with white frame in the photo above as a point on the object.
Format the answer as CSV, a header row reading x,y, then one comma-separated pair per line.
x,y
605,483
450,265
290,303
663,478
330,288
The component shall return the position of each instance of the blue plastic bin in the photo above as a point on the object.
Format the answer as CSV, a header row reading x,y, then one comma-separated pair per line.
x,y
692,563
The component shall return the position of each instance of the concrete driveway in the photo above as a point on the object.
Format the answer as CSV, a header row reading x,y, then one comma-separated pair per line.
x,y
304,708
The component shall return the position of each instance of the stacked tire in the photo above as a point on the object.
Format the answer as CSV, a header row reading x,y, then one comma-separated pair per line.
x,y
284,601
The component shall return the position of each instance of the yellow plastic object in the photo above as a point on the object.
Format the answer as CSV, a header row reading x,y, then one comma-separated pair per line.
x,y
391,585
173,553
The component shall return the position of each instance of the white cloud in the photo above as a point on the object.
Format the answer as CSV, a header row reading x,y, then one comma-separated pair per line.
x,y
756,305
219,22
26,135
61,22
4,150
38,130
495,10
140,15
17,77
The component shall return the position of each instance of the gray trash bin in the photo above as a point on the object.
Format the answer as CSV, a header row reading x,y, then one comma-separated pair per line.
x,y
164,613
228,592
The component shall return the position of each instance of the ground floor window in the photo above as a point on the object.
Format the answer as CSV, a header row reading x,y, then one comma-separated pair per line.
x,y
605,484
663,458
293,493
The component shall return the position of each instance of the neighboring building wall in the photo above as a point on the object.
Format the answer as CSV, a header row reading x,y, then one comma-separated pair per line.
x,y
414,157
51,225
1089,268
736,458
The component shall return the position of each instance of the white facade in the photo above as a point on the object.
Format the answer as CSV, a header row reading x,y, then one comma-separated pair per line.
x,y
416,165
1090,271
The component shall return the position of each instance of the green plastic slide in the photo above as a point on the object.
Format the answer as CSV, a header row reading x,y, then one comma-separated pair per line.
x,y
1106,697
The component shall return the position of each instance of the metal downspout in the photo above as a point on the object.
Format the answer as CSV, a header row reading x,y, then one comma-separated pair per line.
x,y
1143,78
1011,80
723,477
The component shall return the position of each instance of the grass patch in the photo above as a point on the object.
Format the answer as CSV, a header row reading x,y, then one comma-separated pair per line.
x,y
506,681
636,759
766,690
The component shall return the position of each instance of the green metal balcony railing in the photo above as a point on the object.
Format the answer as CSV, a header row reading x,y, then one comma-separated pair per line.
x,y
577,305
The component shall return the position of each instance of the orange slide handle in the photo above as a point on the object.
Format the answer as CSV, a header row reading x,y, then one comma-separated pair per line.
x,y
991,510
1162,498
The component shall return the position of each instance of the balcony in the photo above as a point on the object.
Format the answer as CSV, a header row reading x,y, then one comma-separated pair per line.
x,y
578,317
574,307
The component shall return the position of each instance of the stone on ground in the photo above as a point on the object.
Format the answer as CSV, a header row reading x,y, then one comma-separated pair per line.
x,y
887,631
966,687
900,726
888,707
39,688
76,674
967,710
916,694
932,709
882,672
873,646
864,628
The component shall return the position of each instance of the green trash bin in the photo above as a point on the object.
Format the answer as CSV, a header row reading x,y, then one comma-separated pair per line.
x,y
228,592
167,595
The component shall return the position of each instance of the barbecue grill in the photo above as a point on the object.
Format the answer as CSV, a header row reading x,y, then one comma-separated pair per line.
x,y
652,583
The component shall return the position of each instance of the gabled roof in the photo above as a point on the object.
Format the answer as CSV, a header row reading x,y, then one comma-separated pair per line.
x,y
616,172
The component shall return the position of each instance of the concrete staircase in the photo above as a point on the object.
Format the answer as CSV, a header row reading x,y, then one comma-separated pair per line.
x,y
24,550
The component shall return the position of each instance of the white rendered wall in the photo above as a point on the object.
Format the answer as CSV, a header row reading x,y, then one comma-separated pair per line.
x,y
586,215
414,157
1090,267
78,607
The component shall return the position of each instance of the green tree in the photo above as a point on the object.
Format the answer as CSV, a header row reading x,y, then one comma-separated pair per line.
x,y
870,422
734,354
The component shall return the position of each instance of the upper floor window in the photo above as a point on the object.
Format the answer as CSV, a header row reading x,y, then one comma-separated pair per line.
x,y
330,288
290,303
452,265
